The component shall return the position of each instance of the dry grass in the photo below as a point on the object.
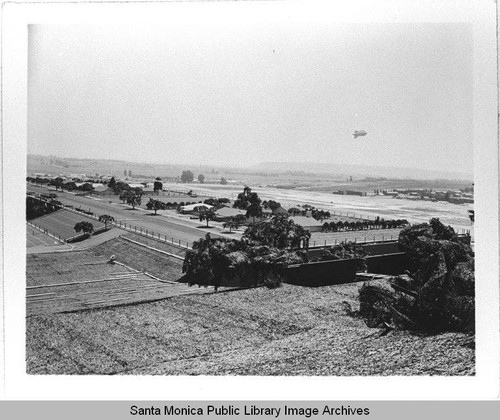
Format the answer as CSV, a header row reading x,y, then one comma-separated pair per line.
x,y
286,331
143,259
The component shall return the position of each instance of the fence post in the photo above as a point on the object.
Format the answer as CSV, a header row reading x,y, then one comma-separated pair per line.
x,y
179,242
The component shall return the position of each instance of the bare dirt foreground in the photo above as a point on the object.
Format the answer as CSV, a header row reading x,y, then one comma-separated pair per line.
x,y
291,330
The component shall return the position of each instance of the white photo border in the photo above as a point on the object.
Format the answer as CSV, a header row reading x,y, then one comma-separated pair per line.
x,y
18,385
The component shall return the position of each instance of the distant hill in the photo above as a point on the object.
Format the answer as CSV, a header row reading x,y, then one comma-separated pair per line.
x,y
357,170
68,165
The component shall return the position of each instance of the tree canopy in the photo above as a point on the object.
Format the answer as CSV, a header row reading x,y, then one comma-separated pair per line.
x,y
222,261
106,218
132,197
201,178
438,292
249,201
158,185
187,176
278,232
85,227
207,215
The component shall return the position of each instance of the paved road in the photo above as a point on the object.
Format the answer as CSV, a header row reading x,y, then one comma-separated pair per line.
x,y
184,230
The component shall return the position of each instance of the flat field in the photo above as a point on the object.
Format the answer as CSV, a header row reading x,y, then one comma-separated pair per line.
x,y
36,238
61,223
291,330
370,207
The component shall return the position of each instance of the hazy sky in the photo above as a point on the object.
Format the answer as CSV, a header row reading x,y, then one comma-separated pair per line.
x,y
245,92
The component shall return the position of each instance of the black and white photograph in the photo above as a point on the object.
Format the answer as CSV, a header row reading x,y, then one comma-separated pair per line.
x,y
257,189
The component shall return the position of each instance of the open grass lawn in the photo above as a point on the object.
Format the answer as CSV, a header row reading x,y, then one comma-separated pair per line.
x,y
36,238
62,223
291,330
143,259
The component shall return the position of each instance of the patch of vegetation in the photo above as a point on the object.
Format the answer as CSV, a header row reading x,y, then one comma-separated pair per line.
x,y
218,262
437,294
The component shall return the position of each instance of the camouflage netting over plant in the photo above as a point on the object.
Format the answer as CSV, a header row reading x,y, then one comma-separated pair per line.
x,y
219,262
438,292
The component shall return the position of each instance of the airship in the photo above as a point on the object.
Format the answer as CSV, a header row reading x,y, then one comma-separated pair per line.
x,y
359,133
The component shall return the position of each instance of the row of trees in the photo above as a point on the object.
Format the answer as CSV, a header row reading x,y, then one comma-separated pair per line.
x,y
363,225
59,183
188,176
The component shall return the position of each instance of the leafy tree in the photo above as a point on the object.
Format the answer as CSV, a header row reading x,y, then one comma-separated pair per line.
x,y
249,201
217,261
120,187
207,215
158,185
132,197
130,173
124,195
85,227
125,172
223,181
112,183
106,218
187,176
273,205
201,178
86,187
278,232
231,224
155,205
438,292
58,182
70,186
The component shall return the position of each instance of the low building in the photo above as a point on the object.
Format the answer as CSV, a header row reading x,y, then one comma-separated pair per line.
x,y
309,223
350,192
228,213
135,185
194,208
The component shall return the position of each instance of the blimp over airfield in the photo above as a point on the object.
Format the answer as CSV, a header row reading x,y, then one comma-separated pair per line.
x,y
359,133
